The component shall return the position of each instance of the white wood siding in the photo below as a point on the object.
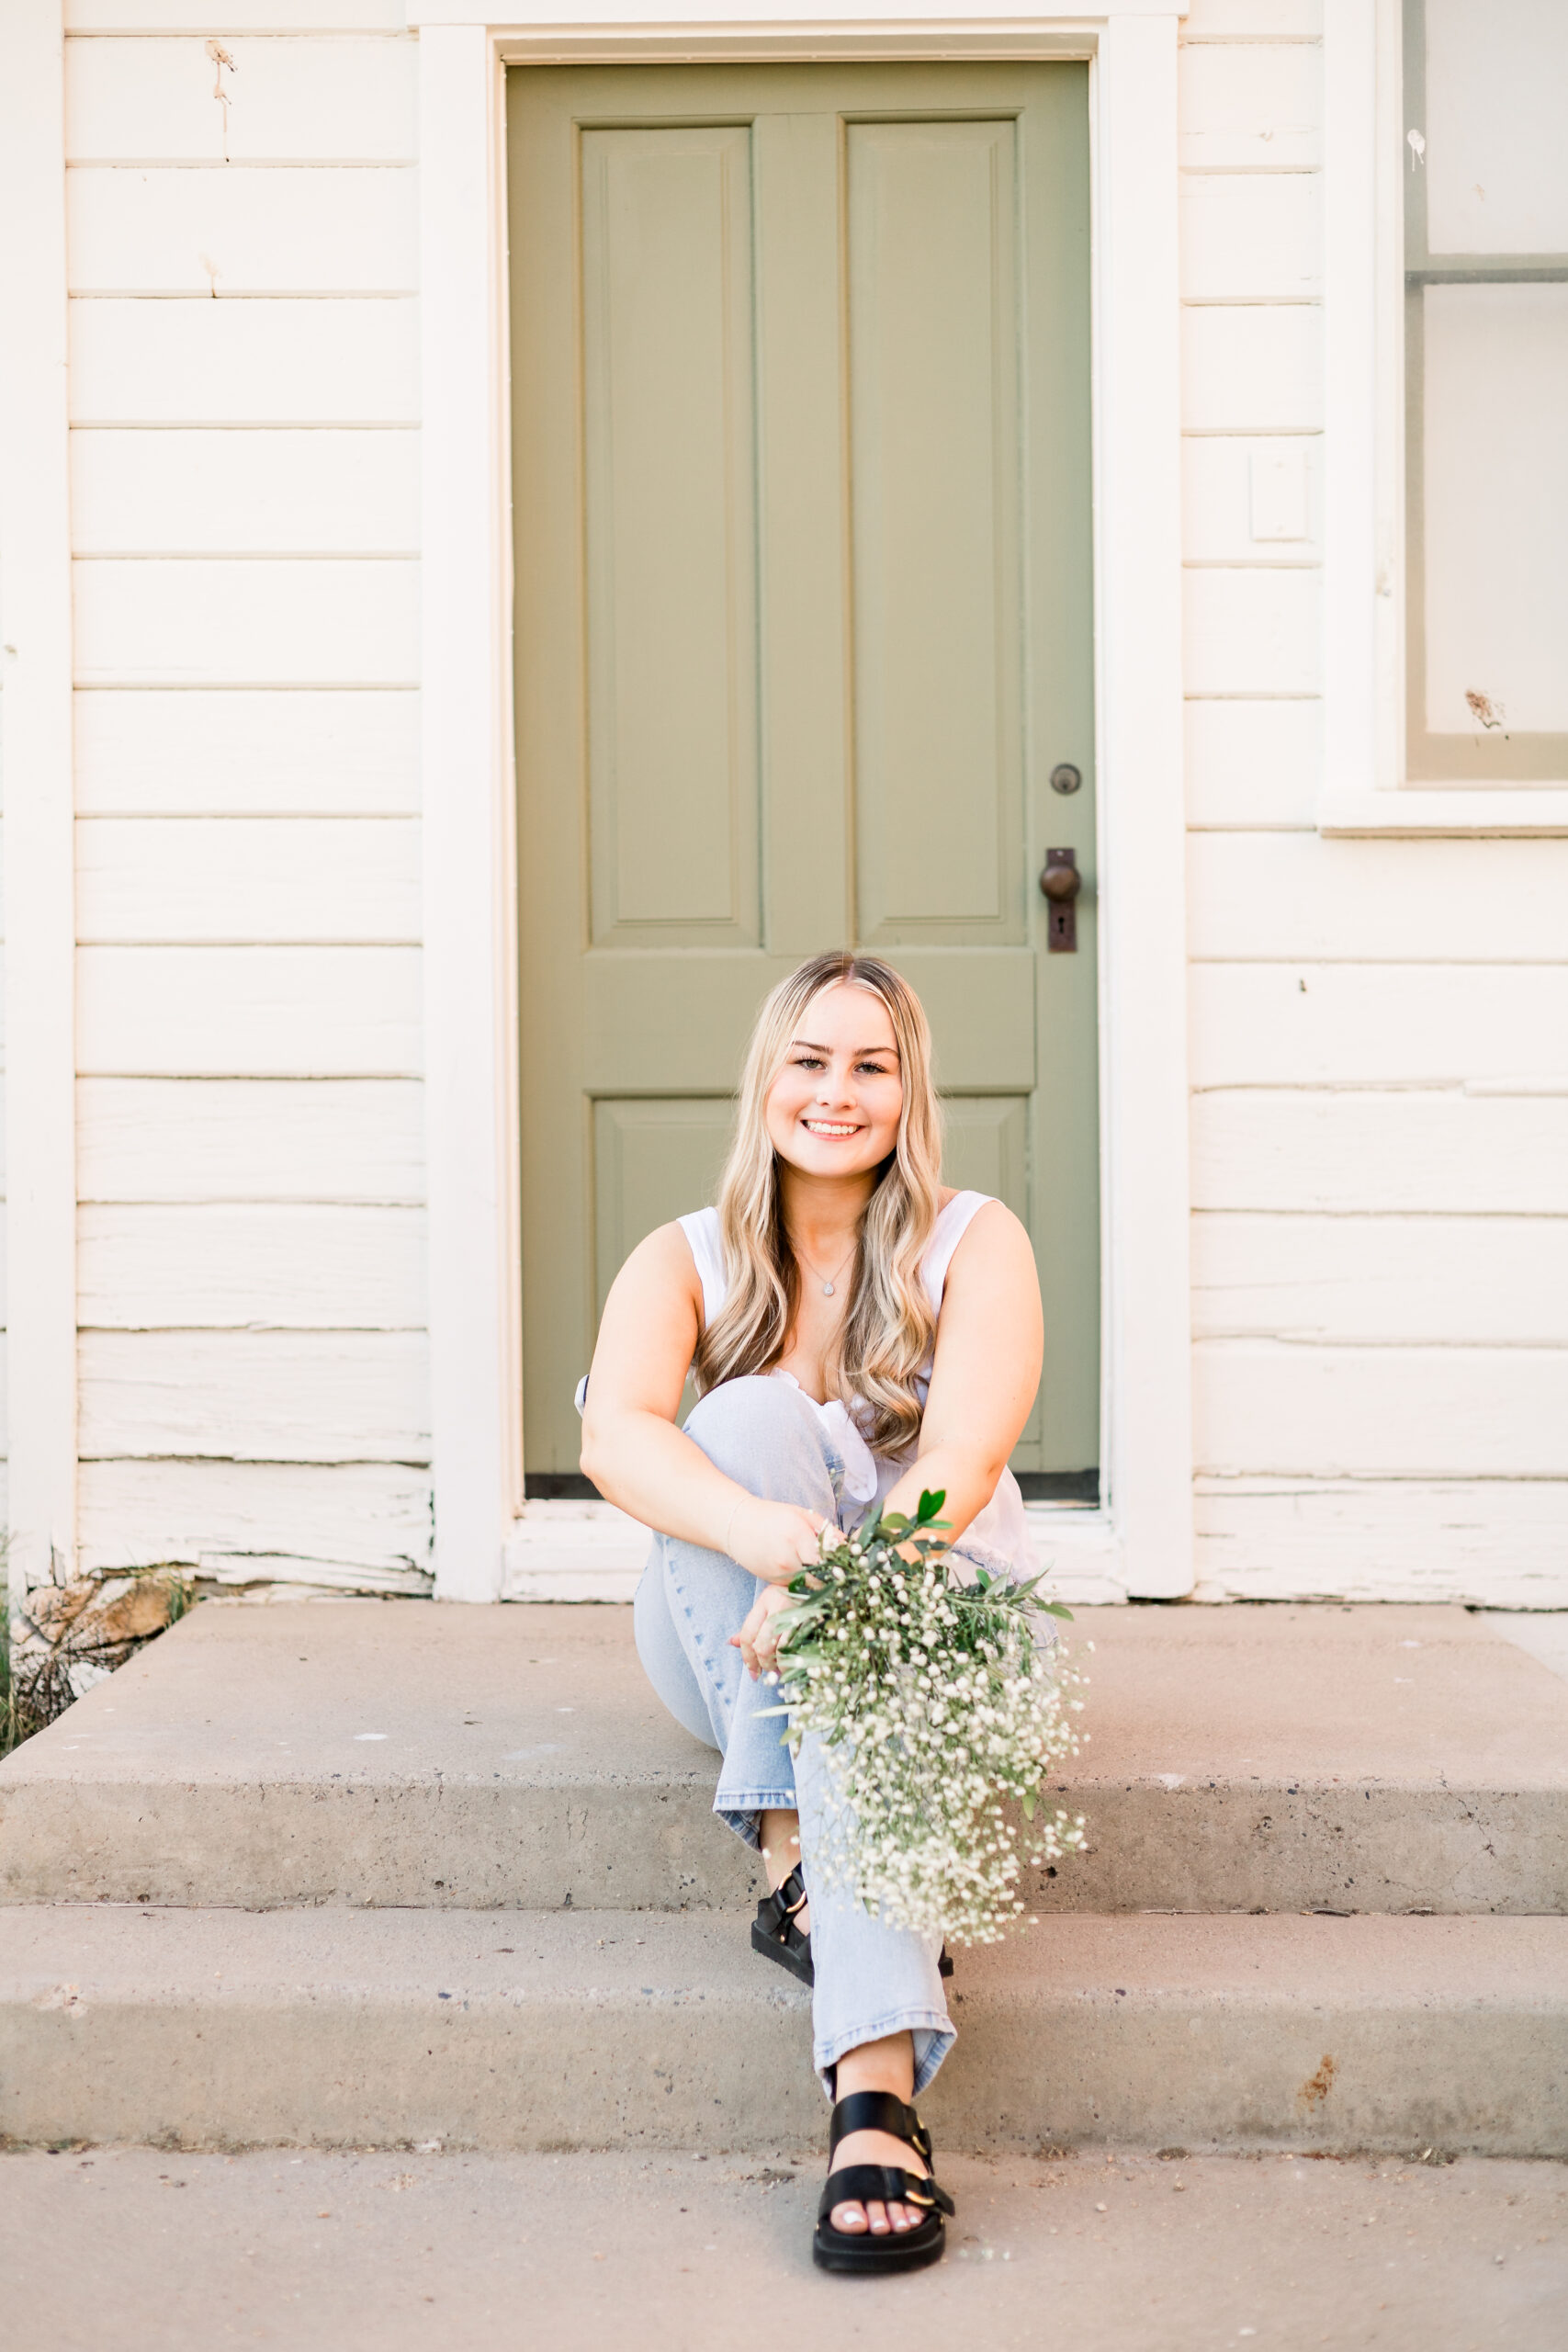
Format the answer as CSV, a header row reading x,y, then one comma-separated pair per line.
x,y
239,753
252,1278
1380,1029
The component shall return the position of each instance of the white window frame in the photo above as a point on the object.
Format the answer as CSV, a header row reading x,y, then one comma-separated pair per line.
x,y
1365,789
489,1543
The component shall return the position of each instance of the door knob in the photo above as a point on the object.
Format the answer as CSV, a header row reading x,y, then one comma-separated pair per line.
x,y
1060,883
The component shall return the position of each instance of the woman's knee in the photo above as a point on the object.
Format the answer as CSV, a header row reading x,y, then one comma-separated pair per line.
x,y
747,1411
759,1431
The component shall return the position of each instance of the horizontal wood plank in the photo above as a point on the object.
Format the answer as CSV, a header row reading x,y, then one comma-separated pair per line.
x,y
1252,369
294,100
197,879
1266,896
243,230
1217,497
1435,1151
255,1395
359,1139
1251,235
244,363
1252,632
1252,20
1253,763
248,1012
206,624
1370,1025
260,15
1502,1545
236,1267
224,492
1249,106
1261,1404
370,1518
304,754
1442,1281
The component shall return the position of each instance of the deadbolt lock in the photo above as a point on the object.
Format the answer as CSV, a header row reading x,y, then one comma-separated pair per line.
x,y
1060,883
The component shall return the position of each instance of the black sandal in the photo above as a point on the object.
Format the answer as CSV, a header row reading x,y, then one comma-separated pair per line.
x,y
776,1937
775,1933
834,2249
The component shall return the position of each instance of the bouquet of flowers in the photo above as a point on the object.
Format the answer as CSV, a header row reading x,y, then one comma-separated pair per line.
x,y
939,1715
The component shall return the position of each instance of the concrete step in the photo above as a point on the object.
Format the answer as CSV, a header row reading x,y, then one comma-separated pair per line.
x,y
342,2028
407,1753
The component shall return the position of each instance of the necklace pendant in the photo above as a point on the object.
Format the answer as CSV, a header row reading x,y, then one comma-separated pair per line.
x,y
827,1290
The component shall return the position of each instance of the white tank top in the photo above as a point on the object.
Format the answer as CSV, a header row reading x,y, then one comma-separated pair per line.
x,y
996,1536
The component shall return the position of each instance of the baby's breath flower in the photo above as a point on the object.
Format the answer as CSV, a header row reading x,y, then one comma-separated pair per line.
x,y
939,1716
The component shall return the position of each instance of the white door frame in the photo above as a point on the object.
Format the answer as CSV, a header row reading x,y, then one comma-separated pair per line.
x,y
487,1542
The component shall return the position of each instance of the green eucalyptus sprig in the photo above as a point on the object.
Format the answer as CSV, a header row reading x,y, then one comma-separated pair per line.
x,y
940,1714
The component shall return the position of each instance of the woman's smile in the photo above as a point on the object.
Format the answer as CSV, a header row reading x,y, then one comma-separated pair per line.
x,y
834,1130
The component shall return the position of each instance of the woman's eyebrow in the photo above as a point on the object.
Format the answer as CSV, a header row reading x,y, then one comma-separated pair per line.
x,y
860,1053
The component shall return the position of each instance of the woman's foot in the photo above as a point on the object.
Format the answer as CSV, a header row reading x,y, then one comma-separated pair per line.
x,y
780,1834
886,2065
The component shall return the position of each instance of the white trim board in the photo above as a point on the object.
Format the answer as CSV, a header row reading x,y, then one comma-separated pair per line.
x,y
1143,1541
587,1551
34,629
579,34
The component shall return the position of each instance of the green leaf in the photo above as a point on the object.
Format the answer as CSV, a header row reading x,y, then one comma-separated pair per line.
x,y
1029,1804
1055,1609
931,1503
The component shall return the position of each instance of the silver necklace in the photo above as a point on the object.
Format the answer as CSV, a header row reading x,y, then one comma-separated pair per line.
x,y
823,1279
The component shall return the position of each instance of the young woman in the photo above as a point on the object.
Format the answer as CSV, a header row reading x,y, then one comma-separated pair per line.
x,y
857,1333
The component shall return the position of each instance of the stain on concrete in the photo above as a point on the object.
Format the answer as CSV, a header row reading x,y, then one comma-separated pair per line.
x,y
1317,2087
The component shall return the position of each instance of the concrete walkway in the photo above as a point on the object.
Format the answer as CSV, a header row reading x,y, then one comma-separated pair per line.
x,y
164,2252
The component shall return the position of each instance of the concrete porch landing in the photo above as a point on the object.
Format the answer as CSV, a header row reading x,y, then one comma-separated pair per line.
x,y
410,1753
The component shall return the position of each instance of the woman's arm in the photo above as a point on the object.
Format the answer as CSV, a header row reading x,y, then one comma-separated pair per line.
x,y
989,1347
631,1447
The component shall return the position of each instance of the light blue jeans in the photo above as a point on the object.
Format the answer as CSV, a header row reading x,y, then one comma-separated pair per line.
x,y
872,1979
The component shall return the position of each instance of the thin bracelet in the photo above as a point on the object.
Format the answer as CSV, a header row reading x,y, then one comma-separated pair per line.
x,y
728,1525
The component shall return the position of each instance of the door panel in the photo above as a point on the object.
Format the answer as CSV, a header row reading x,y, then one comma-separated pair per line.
x,y
652,1162
670,469
986,1147
934,434
800,369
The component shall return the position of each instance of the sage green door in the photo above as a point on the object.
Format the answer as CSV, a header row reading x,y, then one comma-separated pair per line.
x,y
800,365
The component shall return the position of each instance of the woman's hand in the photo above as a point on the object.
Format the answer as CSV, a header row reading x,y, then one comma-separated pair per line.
x,y
758,1640
773,1540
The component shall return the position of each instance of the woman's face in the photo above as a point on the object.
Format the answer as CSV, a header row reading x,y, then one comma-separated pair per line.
x,y
833,1108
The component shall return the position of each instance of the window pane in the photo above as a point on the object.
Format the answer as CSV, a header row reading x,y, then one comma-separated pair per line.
x,y
1496,158
1496,507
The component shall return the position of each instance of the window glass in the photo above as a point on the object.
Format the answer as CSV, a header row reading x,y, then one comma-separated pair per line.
x,y
1485,172
1496,96
1496,450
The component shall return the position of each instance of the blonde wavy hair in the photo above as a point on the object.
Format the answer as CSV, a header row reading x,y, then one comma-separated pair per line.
x,y
888,1330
